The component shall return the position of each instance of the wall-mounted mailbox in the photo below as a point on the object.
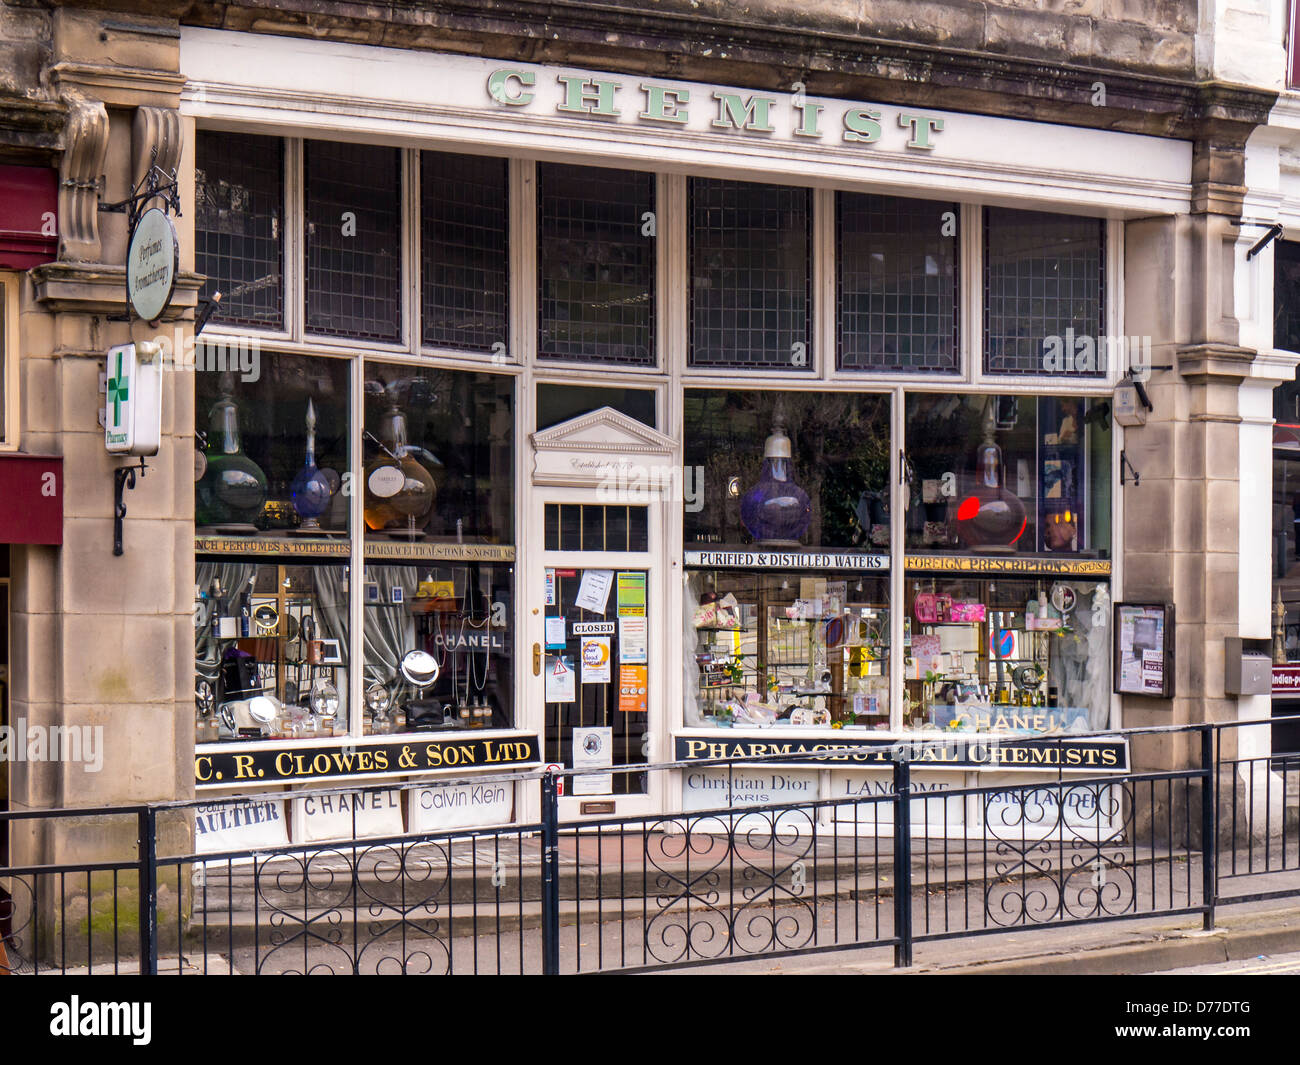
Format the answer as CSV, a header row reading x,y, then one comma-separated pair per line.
x,y
1248,667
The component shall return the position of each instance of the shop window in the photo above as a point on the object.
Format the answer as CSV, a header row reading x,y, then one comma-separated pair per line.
x,y
594,527
439,456
789,469
1292,52
271,651
438,647
1001,474
439,489
239,226
751,275
596,236
465,218
1286,458
1043,294
1286,297
1286,537
354,260
560,403
896,284
1010,655
272,447
786,648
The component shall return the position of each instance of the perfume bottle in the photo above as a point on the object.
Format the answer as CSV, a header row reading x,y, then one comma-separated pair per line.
x,y
310,490
225,626
246,607
398,488
232,490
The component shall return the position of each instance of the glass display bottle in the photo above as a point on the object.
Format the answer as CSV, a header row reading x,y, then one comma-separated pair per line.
x,y
310,490
776,511
232,490
989,517
399,490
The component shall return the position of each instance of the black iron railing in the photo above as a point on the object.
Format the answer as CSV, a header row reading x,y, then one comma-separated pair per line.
x,y
914,863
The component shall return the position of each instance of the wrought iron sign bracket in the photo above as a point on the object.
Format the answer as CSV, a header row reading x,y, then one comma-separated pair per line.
x,y
123,478
155,185
1124,464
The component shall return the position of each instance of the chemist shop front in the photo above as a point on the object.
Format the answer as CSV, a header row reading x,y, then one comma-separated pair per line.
x,y
559,417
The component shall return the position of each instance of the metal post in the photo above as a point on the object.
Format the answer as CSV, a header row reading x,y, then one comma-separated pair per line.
x,y
1209,828
147,822
550,874
902,862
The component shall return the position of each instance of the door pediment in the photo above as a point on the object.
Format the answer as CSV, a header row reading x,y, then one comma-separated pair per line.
x,y
601,448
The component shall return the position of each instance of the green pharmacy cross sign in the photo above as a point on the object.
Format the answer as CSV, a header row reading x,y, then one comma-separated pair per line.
x,y
119,391
133,399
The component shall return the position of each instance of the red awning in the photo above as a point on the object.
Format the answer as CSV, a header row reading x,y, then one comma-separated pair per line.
x,y
29,204
31,499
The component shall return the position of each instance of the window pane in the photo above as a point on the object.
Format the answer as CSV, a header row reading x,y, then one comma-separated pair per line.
x,y
751,301
354,260
459,614
439,454
1286,295
271,651
1048,670
787,647
465,218
559,403
272,447
1002,474
596,264
1042,277
238,230
736,493
897,284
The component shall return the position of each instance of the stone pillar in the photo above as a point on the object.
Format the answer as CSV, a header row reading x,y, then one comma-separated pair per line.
x,y
102,644
1195,527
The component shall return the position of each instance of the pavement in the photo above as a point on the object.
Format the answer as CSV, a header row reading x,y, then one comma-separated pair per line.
x,y
1128,947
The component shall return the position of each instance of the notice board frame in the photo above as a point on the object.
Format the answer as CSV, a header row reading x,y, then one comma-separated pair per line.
x,y
1125,647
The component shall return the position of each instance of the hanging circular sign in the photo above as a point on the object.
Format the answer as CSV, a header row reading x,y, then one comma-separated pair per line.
x,y
152,260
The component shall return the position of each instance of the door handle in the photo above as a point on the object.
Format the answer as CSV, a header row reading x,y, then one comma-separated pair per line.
x,y
537,660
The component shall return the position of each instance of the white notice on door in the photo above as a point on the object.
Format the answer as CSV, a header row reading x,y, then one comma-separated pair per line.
x,y
632,641
593,748
593,592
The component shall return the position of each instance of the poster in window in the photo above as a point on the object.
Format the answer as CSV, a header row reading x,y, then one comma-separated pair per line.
x,y
1144,653
631,595
593,592
561,679
633,684
593,748
595,660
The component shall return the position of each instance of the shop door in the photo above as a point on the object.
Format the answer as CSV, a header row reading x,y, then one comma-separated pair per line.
x,y
596,653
